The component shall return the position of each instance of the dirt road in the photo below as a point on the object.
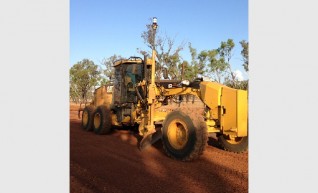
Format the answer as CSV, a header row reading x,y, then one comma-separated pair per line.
x,y
113,163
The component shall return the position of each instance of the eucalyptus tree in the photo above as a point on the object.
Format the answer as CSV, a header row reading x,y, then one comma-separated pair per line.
x,y
168,54
84,76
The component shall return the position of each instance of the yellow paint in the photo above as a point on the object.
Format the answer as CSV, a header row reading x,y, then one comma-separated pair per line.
x,y
228,109
234,111
233,139
103,96
85,118
242,113
97,120
148,61
180,91
114,120
211,96
159,116
211,126
227,105
119,62
126,119
177,133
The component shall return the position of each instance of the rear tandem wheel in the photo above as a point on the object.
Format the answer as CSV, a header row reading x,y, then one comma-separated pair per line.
x,y
102,120
87,118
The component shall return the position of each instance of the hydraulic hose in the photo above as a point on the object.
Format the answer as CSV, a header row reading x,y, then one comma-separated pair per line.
x,y
139,96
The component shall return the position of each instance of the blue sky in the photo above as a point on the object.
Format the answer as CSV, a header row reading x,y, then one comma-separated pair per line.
x,y
100,28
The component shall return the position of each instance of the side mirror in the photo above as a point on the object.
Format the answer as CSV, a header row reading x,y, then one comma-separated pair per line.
x,y
165,73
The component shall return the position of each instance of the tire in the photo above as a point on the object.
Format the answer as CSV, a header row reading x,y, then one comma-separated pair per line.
x,y
87,118
102,120
236,145
184,135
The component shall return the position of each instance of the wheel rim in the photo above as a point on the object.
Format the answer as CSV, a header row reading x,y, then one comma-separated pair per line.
x,y
97,120
85,118
177,134
234,140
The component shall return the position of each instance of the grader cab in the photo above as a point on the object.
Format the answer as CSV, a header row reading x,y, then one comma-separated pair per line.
x,y
135,98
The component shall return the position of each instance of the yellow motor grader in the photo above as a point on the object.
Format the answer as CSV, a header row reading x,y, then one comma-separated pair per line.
x,y
136,99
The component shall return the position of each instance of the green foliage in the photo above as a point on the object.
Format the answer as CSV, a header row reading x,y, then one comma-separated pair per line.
x,y
104,81
217,64
187,71
214,63
207,62
225,49
243,85
244,53
197,61
172,63
217,67
84,76
225,52
197,66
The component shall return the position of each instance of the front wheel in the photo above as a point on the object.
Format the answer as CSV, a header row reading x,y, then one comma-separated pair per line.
x,y
184,135
233,144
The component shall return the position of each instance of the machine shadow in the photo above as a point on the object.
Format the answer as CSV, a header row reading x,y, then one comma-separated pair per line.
x,y
212,141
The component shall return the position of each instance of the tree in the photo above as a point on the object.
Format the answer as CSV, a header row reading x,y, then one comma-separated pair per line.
x,y
244,53
243,85
167,56
206,63
233,82
217,66
197,61
84,76
74,94
186,71
209,63
109,69
225,51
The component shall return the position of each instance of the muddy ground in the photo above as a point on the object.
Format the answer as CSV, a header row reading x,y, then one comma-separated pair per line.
x,y
113,163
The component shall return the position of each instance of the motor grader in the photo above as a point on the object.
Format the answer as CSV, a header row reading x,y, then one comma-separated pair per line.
x,y
135,99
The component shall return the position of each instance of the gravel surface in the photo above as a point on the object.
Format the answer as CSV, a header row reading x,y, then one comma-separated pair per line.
x,y
113,163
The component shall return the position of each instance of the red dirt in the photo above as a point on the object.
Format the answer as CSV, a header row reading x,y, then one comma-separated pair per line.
x,y
113,163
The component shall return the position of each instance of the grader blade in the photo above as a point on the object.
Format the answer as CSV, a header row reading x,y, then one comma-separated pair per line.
x,y
149,140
